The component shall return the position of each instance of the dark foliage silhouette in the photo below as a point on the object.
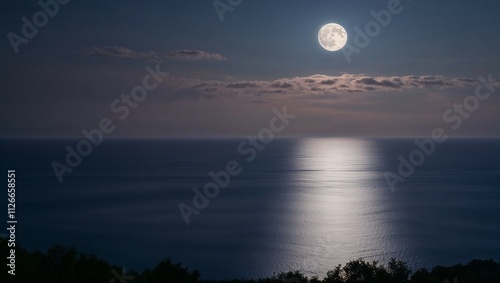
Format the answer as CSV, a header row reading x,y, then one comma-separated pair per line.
x,y
63,265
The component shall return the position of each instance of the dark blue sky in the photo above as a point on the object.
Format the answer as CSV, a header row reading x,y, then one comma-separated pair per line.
x,y
225,77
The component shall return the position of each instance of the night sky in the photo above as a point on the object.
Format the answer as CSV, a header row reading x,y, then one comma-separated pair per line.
x,y
225,77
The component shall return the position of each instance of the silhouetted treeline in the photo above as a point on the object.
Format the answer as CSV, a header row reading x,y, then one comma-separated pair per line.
x,y
65,265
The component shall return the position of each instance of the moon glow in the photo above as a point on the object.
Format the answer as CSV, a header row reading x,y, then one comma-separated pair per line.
x,y
332,37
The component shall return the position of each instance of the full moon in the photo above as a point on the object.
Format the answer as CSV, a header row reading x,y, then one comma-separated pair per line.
x,y
332,37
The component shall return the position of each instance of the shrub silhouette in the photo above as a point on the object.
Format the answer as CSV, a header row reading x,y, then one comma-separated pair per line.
x,y
58,264
398,270
290,277
166,271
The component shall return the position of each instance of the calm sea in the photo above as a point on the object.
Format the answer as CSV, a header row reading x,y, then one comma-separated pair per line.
x,y
301,204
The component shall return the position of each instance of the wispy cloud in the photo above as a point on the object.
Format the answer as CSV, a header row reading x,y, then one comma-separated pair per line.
x,y
126,53
195,55
121,52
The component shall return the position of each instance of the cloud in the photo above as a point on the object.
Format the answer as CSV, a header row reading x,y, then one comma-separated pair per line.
x,y
382,83
242,85
194,55
126,53
329,82
316,85
121,52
